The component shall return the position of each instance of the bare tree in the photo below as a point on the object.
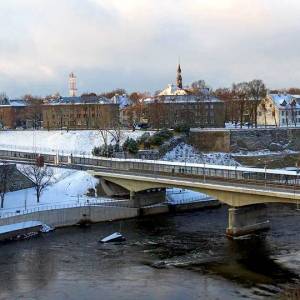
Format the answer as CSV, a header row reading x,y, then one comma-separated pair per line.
x,y
116,133
241,94
6,174
40,176
258,92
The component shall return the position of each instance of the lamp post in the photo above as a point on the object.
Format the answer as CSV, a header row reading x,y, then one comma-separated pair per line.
x,y
204,171
265,173
296,182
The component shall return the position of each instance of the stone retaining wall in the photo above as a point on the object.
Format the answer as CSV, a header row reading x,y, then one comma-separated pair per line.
x,y
253,139
72,216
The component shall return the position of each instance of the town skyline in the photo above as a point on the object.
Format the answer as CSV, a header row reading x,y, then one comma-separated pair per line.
x,y
136,45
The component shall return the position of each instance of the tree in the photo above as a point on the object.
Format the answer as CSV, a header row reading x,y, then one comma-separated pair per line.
x,y
40,176
112,93
257,92
6,174
131,146
231,109
241,94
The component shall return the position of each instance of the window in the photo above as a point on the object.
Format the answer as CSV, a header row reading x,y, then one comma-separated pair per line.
x,y
282,113
259,113
283,121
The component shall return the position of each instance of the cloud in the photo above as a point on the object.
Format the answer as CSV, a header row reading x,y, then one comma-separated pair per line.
x,y
135,44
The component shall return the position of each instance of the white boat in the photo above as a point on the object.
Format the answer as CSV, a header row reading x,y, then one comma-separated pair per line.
x,y
115,237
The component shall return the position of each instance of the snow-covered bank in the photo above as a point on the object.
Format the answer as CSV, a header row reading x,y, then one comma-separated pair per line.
x,y
187,153
177,196
69,187
265,152
76,141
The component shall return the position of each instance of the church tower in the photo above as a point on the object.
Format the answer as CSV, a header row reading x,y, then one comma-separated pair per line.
x,y
179,77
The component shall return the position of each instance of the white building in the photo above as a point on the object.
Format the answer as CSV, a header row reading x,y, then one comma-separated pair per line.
x,y
279,109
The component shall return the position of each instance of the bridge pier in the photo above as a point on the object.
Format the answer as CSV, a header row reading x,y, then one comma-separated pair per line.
x,y
247,219
147,198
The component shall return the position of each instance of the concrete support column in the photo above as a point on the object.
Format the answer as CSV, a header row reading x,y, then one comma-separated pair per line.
x,y
142,199
134,200
247,219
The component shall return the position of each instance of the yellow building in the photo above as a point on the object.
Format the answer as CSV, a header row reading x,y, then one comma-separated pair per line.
x,y
280,109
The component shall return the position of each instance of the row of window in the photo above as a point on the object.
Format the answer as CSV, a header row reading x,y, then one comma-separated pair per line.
x,y
296,113
284,121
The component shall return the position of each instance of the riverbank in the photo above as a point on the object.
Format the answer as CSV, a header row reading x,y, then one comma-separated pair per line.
x,y
102,212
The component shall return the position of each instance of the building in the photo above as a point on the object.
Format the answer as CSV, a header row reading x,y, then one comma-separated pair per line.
x,y
279,109
185,110
89,112
180,106
125,105
13,113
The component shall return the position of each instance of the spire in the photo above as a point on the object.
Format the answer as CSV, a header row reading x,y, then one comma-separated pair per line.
x,y
179,77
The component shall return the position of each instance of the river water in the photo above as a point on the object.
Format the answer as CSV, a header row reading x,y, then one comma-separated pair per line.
x,y
175,256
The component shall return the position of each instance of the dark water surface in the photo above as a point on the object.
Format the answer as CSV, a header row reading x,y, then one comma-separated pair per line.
x,y
182,256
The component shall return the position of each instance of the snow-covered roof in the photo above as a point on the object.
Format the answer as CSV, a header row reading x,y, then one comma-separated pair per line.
x,y
122,100
172,90
284,100
13,102
182,99
81,100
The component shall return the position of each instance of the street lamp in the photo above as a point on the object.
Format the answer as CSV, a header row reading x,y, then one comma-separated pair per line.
x,y
265,173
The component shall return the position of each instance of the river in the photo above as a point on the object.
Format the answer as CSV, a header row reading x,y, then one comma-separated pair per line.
x,y
174,256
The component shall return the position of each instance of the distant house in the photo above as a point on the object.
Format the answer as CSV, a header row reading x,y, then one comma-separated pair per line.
x,y
279,109
86,112
13,113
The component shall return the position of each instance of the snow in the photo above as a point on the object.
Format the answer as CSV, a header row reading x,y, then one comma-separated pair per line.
x,y
177,195
187,153
19,226
263,153
76,142
69,188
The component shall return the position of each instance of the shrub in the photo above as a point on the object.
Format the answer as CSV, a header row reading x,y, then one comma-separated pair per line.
x,y
104,151
182,129
131,146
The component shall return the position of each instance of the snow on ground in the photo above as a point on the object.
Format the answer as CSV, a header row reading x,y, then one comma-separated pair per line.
x,y
69,188
73,141
187,153
263,153
177,196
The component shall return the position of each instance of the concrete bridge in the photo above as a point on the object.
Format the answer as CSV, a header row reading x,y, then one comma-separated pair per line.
x,y
247,213
245,189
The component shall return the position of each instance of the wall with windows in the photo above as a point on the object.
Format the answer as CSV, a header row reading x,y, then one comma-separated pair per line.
x,y
80,116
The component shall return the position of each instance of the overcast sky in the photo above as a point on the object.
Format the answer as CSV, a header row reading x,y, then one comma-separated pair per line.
x,y
135,44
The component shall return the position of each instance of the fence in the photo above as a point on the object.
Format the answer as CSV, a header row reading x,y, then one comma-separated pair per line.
x,y
44,150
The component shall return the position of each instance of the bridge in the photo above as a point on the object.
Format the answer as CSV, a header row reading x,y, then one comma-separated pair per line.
x,y
245,189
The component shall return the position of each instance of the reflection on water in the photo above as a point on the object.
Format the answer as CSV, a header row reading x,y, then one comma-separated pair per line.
x,y
183,256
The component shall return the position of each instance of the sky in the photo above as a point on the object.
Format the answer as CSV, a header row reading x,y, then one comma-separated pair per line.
x,y
136,44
